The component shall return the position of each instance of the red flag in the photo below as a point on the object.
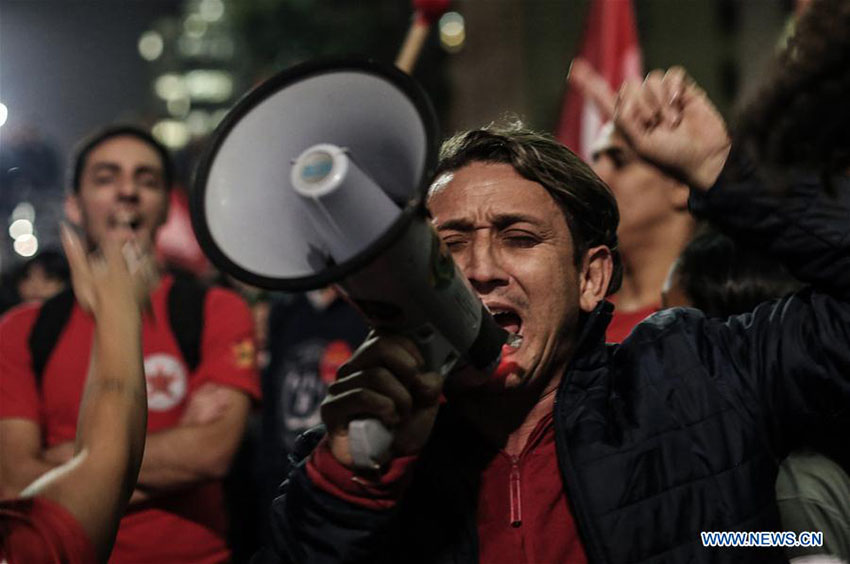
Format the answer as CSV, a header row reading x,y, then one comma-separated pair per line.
x,y
610,46
176,244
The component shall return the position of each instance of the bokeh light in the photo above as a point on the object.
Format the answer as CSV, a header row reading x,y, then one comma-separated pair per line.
x,y
211,10
24,210
20,228
151,45
170,86
452,32
209,85
171,133
26,245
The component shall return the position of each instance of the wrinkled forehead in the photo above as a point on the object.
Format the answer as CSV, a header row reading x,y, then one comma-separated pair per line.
x,y
483,190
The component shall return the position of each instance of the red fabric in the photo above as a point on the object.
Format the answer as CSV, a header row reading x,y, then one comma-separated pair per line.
x,y
610,45
186,526
176,243
39,530
622,323
325,471
429,11
522,515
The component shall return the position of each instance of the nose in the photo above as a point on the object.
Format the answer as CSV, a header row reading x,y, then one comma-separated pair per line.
x,y
482,265
128,189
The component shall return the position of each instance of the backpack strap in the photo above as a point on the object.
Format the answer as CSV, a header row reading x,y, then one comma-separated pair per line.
x,y
48,326
186,316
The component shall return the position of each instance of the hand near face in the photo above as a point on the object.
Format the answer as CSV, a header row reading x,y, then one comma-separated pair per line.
x,y
670,121
385,380
117,276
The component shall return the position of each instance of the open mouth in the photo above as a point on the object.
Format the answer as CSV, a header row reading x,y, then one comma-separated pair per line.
x,y
507,319
128,221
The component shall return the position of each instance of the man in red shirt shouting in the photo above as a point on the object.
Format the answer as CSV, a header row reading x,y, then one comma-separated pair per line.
x,y
199,394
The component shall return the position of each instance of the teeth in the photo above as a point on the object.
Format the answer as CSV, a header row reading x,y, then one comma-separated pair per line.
x,y
514,340
125,219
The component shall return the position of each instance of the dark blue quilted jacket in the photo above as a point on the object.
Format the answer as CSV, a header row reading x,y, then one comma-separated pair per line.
x,y
677,430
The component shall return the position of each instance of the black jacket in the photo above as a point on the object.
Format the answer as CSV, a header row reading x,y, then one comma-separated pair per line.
x,y
678,430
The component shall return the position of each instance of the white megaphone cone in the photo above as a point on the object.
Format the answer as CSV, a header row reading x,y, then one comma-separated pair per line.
x,y
318,176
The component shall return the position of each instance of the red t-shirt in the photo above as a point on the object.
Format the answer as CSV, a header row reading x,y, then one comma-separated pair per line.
x,y
184,526
36,529
522,515
622,323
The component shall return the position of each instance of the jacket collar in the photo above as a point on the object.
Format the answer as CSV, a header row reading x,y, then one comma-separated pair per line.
x,y
591,339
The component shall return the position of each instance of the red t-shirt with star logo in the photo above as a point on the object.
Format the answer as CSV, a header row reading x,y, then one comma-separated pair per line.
x,y
187,525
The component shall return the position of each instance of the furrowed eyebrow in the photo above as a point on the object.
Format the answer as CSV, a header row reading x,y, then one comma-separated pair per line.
x,y
504,221
499,222
455,225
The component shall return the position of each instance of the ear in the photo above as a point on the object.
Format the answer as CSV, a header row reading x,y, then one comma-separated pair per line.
x,y
72,209
595,276
679,194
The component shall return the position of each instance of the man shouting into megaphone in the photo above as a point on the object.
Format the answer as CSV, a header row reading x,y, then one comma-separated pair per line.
x,y
577,450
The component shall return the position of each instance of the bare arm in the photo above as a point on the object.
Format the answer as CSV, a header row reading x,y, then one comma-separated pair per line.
x,y
195,451
96,484
21,459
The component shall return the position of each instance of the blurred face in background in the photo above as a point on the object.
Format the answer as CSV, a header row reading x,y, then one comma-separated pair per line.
x,y
122,193
38,286
646,197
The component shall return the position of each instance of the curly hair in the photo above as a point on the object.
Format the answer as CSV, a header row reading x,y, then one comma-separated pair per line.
x,y
585,200
801,114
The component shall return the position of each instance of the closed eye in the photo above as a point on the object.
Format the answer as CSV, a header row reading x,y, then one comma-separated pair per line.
x,y
520,239
454,244
102,179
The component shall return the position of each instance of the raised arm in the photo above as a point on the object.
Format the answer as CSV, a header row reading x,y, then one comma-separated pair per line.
x,y
670,121
785,366
95,485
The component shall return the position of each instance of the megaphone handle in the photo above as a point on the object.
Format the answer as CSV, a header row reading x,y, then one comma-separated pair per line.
x,y
369,443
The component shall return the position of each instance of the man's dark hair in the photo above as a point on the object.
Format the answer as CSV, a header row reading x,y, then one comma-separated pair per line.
x,y
585,200
801,115
87,145
723,278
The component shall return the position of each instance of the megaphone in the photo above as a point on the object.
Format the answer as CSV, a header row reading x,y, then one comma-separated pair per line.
x,y
319,176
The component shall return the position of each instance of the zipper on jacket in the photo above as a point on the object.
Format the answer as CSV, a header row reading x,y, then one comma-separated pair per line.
x,y
515,493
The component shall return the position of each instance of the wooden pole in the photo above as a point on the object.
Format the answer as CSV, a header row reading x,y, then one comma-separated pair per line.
x,y
412,46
